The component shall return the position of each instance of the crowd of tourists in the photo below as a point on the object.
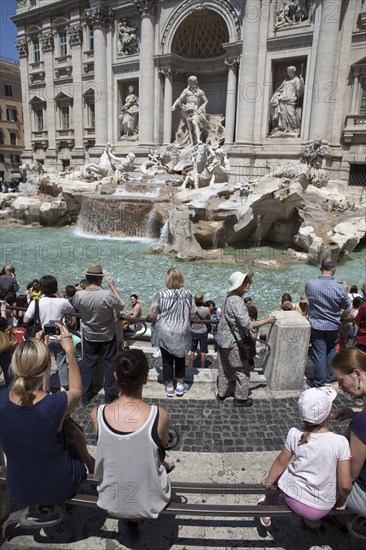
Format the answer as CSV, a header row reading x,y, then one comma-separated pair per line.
x,y
130,447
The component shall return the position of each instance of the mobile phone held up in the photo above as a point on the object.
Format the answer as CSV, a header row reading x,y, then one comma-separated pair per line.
x,y
51,330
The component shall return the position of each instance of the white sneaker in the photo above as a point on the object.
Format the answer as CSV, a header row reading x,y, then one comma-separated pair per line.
x,y
181,389
156,352
169,391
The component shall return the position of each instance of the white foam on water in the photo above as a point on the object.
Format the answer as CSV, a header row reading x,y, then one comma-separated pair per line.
x,y
135,195
77,232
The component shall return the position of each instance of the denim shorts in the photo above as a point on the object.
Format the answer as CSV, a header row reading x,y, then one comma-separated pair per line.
x,y
200,340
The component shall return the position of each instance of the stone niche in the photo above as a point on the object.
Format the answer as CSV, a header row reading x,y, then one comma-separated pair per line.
x,y
279,74
123,93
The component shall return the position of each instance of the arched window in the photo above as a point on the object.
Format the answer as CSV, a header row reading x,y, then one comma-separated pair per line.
x,y
201,35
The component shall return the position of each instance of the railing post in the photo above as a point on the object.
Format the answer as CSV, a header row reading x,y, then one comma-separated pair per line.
x,y
289,341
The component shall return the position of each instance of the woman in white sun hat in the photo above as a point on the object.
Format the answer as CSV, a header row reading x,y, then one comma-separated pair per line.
x,y
234,324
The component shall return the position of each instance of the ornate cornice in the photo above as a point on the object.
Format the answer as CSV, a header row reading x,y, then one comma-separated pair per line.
x,y
145,7
99,17
304,40
166,72
47,41
360,37
75,35
22,47
232,62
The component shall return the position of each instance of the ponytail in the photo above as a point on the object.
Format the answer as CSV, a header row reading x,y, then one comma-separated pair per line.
x,y
29,368
309,428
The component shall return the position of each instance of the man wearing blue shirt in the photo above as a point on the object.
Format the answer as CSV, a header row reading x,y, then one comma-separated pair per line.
x,y
326,300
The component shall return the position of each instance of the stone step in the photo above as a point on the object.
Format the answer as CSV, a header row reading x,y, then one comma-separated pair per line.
x,y
90,529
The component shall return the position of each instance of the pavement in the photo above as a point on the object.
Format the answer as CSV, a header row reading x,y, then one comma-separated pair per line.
x,y
218,443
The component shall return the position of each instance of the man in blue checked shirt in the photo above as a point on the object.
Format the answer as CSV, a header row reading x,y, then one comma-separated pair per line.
x,y
326,300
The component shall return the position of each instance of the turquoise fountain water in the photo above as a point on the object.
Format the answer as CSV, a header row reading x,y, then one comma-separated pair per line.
x,y
66,253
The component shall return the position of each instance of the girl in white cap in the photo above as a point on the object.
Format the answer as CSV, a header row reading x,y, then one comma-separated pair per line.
x,y
312,462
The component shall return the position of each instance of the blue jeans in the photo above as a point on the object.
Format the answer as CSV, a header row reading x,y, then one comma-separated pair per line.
x,y
323,344
62,375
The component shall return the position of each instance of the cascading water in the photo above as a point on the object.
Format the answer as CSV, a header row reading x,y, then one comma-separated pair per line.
x,y
258,234
215,234
164,234
115,216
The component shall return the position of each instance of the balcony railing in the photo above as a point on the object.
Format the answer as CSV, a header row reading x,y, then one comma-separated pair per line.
x,y
355,126
39,139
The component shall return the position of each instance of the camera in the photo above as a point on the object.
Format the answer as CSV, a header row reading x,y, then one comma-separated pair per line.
x,y
51,330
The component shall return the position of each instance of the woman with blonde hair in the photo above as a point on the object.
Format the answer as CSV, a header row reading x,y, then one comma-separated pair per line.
x,y
45,463
173,308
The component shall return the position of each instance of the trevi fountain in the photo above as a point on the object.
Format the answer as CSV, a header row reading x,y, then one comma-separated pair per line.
x,y
183,202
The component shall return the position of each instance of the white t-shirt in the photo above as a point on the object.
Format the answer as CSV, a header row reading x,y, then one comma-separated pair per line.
x,y
50,309
311,477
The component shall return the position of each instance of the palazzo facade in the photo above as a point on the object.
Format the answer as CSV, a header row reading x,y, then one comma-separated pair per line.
x,y
108,71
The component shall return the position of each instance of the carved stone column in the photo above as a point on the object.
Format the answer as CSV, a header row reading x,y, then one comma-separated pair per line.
x,y
325,86
232,83
146,88
100,19
248,86
47,42
168,102
22,47
355,90
75,41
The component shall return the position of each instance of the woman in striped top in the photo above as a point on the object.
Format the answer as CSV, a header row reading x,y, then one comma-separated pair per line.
x,y
173,308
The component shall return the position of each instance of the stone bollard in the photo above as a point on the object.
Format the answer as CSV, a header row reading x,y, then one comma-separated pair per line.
x,y
289,341
4,498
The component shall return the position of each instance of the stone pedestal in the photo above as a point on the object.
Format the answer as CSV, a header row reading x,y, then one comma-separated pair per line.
x,y
289,341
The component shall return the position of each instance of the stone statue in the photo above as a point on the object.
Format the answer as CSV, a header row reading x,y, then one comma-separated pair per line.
x,y
284,103
313,154
129,115
124,165
209,166
194,124
127,39
290,12
106,166
219,167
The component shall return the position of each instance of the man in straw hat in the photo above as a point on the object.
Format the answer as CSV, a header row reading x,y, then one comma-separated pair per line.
x,y
234,325
99,310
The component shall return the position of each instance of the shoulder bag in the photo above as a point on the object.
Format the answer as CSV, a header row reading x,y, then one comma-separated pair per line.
x,y
36,325
7,340
246,345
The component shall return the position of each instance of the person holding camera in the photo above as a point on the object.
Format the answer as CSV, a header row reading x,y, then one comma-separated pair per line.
x,y
52,308
100,310
46,451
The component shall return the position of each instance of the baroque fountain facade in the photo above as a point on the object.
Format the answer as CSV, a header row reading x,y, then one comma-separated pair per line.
x,y
256,118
